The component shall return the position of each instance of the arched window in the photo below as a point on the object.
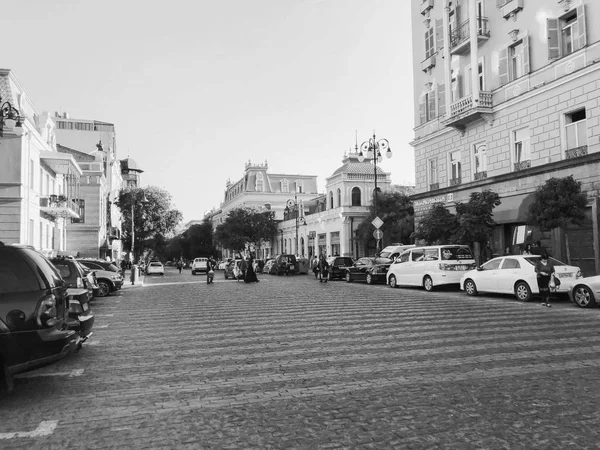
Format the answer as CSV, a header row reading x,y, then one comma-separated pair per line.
x,y
356,196
259,182
339,197
330,199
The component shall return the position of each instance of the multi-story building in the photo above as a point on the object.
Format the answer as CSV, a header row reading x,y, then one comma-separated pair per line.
x,y
39,187
93,143
507,96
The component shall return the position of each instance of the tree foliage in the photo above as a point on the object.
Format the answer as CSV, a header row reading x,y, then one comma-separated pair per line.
x,y
438,225
397,213
246,226
194,242
152,219
558,202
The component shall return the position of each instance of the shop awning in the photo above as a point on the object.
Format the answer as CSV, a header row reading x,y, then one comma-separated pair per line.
x,y
513,209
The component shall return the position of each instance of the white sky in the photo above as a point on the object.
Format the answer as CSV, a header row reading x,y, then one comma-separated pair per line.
x,y
197,88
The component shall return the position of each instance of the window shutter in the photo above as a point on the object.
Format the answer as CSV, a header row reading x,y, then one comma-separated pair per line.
x,y
581,22
553,38
439,35
526,64
431,42
422,111
431,99
441,90
427,44
503,66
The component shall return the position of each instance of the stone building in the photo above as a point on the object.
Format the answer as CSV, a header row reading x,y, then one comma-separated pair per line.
x,y
507,96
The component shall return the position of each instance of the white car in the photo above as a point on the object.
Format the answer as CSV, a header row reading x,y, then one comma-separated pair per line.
x,y
199,265
515,274
586,291
155,268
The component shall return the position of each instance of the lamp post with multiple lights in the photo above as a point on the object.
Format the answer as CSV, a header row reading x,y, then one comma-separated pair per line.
x,y
10,118
143,201
293,205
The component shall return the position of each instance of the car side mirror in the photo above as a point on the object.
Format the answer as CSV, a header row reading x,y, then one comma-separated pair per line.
x,y
479,268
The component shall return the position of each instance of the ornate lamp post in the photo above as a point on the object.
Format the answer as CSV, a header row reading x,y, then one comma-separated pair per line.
x,y
293,205
143,201
371,150
10,118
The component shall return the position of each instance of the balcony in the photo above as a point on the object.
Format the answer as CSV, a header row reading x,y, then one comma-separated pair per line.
x,y
426,5
522,165
455,181
428,63
480,175
576,152
465,111
460,39
511,8
59,206
434,186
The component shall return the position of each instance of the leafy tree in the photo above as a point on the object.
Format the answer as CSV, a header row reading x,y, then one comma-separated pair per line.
x,y
152,219
556,204
245,226
474,218
437,225
397,213
199,240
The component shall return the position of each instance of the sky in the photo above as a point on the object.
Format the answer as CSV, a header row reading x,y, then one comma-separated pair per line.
x,y
196,89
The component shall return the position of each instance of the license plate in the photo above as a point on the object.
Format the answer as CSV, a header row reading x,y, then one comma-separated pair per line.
x,y
291,266
461,267
565,275
85,307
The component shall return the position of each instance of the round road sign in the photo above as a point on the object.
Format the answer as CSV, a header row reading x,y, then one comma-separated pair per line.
x,y
378,234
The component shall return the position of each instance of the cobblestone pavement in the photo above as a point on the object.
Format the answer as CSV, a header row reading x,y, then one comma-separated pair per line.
x,y
293,363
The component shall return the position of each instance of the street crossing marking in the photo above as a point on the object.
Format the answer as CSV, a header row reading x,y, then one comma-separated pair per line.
x,y
45,428
104,315
72,373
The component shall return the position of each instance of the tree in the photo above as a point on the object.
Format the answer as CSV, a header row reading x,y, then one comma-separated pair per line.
x,y
474,218
556,204
437,225
397,213
246,226
154,218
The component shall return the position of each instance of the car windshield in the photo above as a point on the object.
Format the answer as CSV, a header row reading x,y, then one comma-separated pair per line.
x,y
456,253
534,259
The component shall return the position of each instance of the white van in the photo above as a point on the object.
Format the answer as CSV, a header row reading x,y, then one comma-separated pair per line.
x,y
431,266
394,250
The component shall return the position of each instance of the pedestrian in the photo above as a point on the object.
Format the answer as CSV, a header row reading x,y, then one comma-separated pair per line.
x,y
250,275
179,265
544,268
507,251
315,266
538,249
487,253
210,270
323,269
527,250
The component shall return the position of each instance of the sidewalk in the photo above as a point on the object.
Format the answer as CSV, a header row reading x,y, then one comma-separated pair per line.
x,y
127,280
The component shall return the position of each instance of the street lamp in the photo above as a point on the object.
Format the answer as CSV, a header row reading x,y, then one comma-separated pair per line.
x,y
293,205
10,118
143,201
372,151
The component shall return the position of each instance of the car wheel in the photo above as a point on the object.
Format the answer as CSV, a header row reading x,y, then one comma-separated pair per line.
x,y
393,282
103,288
583,296
522,291
428,283
226,276
348,277
470,287
369,278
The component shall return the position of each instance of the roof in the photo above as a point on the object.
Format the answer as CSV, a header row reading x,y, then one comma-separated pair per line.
x,y
130,165
353,165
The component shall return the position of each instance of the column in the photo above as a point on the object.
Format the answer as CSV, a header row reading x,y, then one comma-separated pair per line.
x,y
474,52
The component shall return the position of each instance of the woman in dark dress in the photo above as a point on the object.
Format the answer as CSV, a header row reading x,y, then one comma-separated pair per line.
x,y
544,270
250,275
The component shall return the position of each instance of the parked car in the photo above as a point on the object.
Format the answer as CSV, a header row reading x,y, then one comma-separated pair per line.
x,y
199,265
585,292
108,277
431,266
155,268
259,265
338,266
369,269
515,274
268,267
75,275
285,265
33,313
394,250
229,269
80,313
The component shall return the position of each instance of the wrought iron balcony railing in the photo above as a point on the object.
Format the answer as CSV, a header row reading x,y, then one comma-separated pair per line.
x,y
522,165
460,37
577,151
59,206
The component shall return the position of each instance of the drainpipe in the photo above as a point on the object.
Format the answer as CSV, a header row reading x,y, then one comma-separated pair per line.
x,y
447,58
474,53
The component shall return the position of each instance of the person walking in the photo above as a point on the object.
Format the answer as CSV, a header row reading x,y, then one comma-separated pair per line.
x,y
210,270
250,275
487,253
544,269
179,265
323,269
315,266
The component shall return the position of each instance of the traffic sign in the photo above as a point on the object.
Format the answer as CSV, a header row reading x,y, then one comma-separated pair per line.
x,y
377,222
378,234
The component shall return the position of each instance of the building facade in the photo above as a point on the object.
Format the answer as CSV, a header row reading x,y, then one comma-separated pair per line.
x,y
39,187
506,97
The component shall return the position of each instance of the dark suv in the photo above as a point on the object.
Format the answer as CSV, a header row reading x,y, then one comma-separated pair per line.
x,y
33,313
338,265
107,275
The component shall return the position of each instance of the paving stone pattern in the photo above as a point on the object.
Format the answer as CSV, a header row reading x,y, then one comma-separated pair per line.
x,y
293,363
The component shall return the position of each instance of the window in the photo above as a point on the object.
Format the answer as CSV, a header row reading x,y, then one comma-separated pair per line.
x,y
455,86
299,187
480,159
576,129
432,174
429,43
356,197
513,61
285,186
81,204
339,197
454,167
427,105
516,60
491,265
511,263
521,152
480,76
567,33
259,184
418,254
330,199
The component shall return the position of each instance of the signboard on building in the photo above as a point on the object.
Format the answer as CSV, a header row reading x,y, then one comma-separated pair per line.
x,y
427,203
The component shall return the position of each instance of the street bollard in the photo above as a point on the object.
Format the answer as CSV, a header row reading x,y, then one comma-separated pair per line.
x,y
135,273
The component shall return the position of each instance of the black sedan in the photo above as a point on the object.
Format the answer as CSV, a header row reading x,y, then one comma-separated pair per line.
x,y
371,270
338,266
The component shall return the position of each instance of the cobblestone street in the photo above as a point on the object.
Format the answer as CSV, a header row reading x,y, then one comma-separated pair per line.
x,y
293,363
